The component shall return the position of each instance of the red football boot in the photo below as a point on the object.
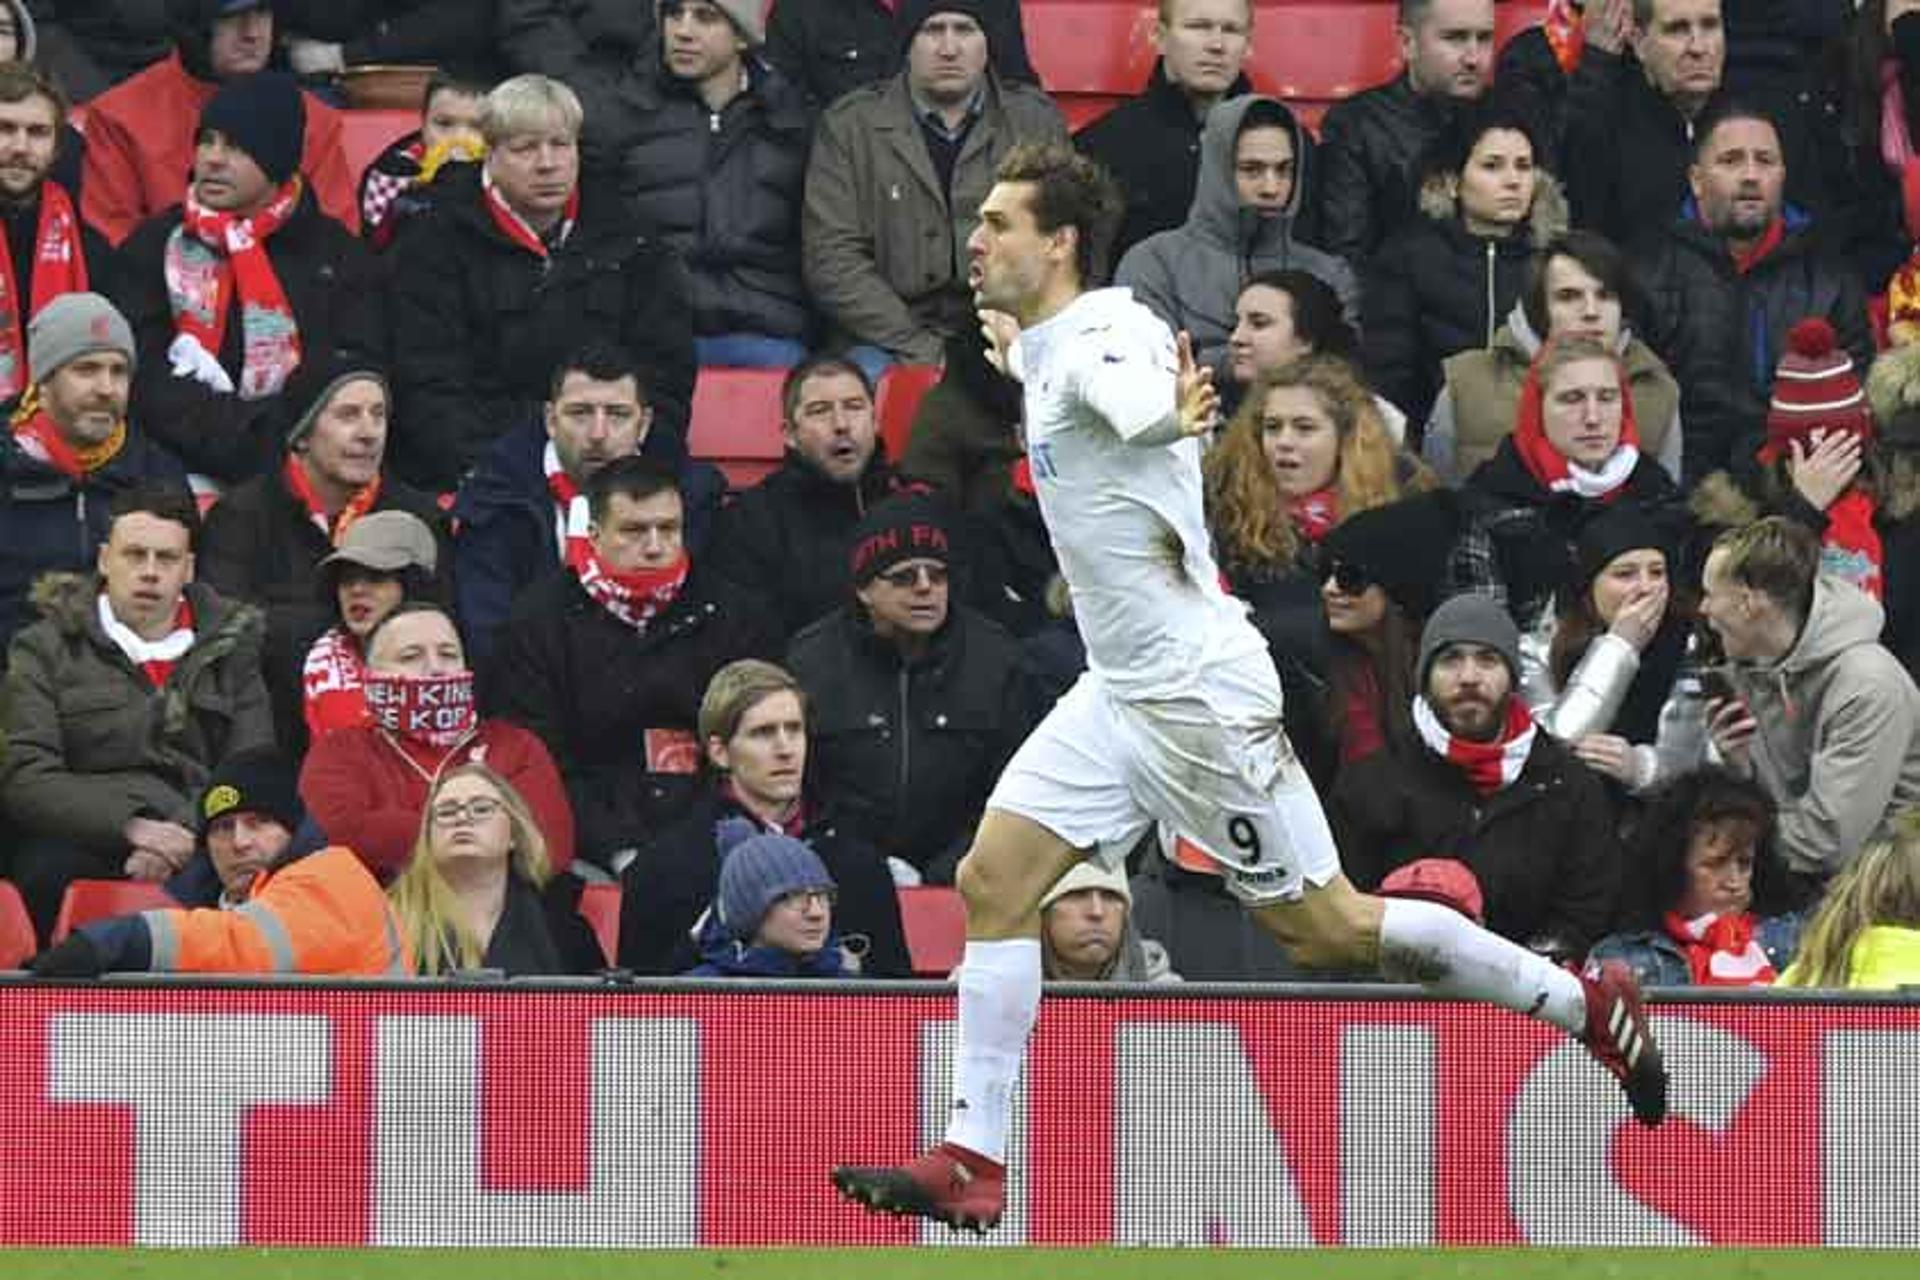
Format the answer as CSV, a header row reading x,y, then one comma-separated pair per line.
x,y
948,1184
1620,1038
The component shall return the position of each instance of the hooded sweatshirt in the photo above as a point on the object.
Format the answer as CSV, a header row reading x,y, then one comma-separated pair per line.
x,y
1191,276
1838,742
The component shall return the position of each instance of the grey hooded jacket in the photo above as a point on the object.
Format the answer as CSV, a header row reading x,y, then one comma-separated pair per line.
x,y
1191,276
1838,742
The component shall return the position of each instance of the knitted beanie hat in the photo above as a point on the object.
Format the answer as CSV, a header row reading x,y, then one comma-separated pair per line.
x,y
265,116
908,526
259,781
1402,546
758,869
71,326
1470,619
748,17
1814,389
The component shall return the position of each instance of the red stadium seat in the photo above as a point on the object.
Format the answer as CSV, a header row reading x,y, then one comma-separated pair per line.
x,y
90,900
898,399
736,422
17,941
934,918
600,908
1100,47
1315,52
365,134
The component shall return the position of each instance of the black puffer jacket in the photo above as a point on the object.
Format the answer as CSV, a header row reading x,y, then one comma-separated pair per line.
x,y
1544,849
1370,149
1151,145
785,541
723,190
907,751
616,708
1723,333
480,323
830,46
675,878
337,293
1435,289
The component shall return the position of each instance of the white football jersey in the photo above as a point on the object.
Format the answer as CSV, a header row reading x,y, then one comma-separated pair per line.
x,y
1121,493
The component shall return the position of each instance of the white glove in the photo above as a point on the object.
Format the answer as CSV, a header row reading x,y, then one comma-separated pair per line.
x,y
191,360
314,57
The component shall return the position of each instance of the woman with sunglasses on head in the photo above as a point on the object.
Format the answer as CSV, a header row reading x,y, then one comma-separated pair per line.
x,y
1608,670
480,893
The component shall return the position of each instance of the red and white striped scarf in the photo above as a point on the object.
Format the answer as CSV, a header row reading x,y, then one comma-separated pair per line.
x,y
59,266
212,255
1721,950
573,519
1489,766
516,228
332,682
636,597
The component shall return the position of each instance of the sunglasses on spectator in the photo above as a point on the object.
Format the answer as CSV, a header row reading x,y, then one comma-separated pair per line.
x,y
449,812
1347,579
908,576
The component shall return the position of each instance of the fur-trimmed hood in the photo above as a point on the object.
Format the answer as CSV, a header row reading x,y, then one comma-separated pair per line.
x,y
1547,218
1893,392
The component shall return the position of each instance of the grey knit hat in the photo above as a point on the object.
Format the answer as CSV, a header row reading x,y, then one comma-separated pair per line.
x,y
760,868
1470,619
748,18
71,326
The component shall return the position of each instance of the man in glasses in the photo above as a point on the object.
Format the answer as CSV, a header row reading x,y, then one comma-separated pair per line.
x,y
1178,719
917,700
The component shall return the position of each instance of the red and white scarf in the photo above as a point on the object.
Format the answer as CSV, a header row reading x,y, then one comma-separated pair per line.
x,y
436,711
573,520
1315,514
1552,468
333,681
59,266
41,439
300,485
636,597
155,657
1721,950
516,228
1489,766
1851,547
212,255
1566,32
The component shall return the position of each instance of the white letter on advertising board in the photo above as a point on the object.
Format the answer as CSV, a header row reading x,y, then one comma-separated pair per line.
x,y
1386,1136
643,1149
1199,1161
1565,1119
190,1079
1869,1132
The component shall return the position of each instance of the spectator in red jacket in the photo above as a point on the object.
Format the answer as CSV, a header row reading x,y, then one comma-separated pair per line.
x,y
140,133
367,787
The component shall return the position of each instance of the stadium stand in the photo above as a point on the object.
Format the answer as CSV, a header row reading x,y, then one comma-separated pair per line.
x,y
600,908
935,920
16,930
736,422
90,900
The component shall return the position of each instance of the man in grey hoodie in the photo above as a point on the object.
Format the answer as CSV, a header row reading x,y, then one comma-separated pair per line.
x,y
1818,712
1255,167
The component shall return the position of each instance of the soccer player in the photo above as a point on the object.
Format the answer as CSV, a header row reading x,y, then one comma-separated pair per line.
x,y
1178,716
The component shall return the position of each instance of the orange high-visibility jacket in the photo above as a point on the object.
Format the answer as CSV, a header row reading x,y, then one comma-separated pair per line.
x,y
321,914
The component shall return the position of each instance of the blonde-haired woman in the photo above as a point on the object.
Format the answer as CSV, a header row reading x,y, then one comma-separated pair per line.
x,y
1866,932
1307,449
479,893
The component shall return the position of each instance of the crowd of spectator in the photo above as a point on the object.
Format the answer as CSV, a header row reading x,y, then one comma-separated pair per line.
x,y
362,585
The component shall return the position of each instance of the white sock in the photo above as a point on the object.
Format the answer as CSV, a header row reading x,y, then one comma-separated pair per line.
x,y
1444,951
999,1000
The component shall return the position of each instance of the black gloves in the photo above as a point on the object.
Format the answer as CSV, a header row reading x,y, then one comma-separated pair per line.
x,y
74,957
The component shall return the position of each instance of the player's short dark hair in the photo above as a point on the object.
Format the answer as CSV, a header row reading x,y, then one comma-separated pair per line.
x,y
1724,107
603,361
160,500
813,367
1070,190
635,478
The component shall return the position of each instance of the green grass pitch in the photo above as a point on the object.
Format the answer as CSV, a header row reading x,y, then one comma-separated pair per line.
x,y
954,1264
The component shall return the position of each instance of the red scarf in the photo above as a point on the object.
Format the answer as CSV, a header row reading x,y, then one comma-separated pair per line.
x,y
213,254
575,517
1851,547
1566,34
300,485
1720,949
1745,261
332,682
636,597
1315,514
1364,730
41,439
1489,766
435,711
515,228
59,266
1550,467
